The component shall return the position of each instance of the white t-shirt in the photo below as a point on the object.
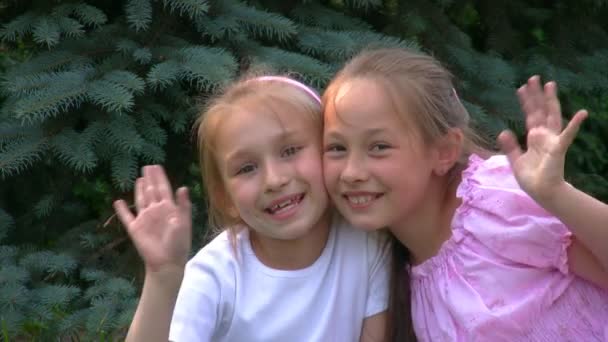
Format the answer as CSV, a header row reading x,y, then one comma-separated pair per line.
x,y
234,297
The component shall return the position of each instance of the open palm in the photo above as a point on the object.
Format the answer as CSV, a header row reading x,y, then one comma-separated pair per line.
x,y
541,167
162,229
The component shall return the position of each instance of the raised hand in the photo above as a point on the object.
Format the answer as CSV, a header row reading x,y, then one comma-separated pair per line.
x,y
540,169
162,229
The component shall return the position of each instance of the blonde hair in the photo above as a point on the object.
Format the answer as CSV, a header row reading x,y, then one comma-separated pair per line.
x,y
277,95
420,90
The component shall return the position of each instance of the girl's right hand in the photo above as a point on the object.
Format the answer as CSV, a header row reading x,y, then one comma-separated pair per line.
x,y
162,229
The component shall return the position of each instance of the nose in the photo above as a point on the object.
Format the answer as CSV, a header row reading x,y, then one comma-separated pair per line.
x,y
277,176
354,171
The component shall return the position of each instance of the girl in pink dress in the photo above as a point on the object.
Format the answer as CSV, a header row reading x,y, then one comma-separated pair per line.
x,y
486,248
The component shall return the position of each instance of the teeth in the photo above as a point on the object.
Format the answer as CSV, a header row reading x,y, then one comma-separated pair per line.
x,y
285,204
282,205
360,199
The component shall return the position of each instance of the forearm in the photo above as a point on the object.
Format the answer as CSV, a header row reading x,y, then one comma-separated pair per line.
x,y
585,216
374,328
155,309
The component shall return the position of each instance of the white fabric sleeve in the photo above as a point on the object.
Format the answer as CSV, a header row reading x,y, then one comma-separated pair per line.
x,y
201,300
379,273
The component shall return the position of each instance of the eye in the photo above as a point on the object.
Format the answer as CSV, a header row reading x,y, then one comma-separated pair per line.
x,y
335,148
247,168
379,147
334,151
290,151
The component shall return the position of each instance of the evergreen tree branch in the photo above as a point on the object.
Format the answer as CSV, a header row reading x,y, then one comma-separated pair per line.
x,y
191,8
139,14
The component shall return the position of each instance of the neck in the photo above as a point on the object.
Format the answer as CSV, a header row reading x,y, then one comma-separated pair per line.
x,y
292,254
428,226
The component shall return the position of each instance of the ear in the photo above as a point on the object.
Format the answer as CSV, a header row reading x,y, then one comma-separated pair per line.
x,y
448,151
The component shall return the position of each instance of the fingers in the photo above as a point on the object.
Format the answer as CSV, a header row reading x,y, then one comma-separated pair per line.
x,y
552,105
152,194
509,146
152,187
124,213
183,202
569,133
161,183
531,99
141,200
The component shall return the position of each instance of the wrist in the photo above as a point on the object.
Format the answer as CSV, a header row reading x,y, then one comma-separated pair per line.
x,y
551,199
169,278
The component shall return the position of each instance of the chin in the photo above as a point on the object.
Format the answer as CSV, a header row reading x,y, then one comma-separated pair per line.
x,y
364,223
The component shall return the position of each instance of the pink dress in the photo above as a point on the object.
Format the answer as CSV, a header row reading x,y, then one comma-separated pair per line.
x,y
503,275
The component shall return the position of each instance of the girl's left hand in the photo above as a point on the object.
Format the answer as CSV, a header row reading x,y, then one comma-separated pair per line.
x,y
540,169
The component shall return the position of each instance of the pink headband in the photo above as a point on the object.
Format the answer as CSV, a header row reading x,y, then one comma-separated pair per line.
x,y
293,82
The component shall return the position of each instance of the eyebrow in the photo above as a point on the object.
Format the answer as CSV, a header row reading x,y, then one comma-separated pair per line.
x,y
368,132
241,153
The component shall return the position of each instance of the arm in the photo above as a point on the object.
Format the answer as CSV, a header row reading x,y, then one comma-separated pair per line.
x,y
540,170
374,328
161,233
155,309
585,216
585,265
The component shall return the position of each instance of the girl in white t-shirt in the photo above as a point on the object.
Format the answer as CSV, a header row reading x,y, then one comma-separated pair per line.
x,y
285,268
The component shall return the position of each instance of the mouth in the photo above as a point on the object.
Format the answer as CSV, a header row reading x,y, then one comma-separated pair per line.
x,y
359,200
284,207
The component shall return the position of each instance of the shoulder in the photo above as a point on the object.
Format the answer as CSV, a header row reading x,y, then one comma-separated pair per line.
x,y
206,299
219,260
490,184
348,234
219,250
368,245
494,171
504,218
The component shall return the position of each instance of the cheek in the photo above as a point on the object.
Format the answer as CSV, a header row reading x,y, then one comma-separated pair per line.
x,y
310,164
390,171
242,193
390,167
331,172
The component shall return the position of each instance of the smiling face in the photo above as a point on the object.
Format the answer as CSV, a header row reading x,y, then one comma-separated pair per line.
x,y
377,170
270,164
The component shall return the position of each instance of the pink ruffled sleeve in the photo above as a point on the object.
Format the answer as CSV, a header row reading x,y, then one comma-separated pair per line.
x,y
505,219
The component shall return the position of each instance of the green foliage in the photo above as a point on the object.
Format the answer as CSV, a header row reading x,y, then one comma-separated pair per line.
x,y
6,224
139,14
493,48
92,90
191,8
104,90
587,160
48,29
258,23
34,306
